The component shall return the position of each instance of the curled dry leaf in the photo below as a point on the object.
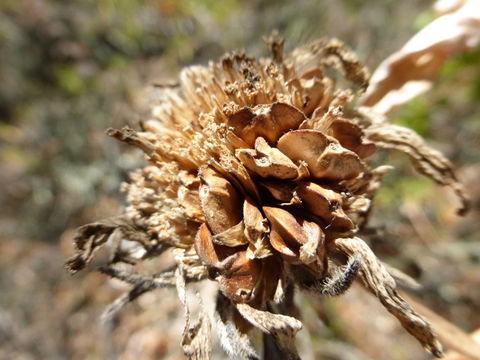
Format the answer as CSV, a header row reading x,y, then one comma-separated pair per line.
x,y
196,337
376,279
465,346
411,70
428,161
281,327
233,338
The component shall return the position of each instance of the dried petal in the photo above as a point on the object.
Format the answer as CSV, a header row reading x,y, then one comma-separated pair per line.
x,y
267,161
220,201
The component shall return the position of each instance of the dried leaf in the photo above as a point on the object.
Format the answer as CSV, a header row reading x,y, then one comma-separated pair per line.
x,y
428,161
91,237
196,338
235,342
411,70
282,328
142,284
376,279
453,337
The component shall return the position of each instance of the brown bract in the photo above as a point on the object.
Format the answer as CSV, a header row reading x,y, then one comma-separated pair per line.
x,y
260,181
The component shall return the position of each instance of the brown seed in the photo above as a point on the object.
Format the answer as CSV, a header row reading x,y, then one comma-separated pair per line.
x,y
287,234
231,237
315,240
313,87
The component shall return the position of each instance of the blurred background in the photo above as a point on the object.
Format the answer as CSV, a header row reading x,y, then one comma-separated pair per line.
x,y
71,69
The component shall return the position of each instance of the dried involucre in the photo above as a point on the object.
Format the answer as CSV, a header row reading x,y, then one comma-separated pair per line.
x,y
259,179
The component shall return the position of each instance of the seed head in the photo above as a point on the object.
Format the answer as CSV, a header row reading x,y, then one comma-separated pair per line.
x,y
258,176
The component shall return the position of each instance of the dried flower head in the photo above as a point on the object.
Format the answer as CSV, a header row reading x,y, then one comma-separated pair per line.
x,y
258,177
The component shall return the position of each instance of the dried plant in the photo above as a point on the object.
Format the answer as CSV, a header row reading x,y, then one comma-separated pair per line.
x,y
258,178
